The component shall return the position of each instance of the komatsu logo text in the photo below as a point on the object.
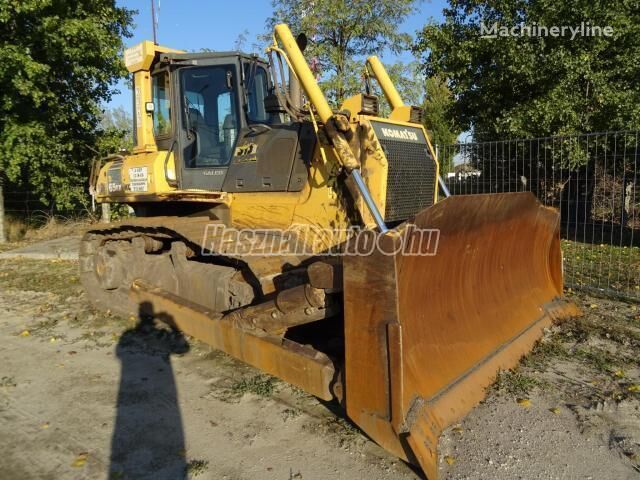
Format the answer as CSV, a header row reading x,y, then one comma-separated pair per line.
x,y
399,134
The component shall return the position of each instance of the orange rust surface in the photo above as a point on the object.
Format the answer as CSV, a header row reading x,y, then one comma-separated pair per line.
x,y
425,335
294,363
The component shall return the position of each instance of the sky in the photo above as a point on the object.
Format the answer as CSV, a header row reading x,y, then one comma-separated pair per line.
x,y
216,24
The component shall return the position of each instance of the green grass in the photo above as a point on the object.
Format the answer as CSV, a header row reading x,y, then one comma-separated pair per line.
x,y
602,266
260,385
54,276
196,467
516,383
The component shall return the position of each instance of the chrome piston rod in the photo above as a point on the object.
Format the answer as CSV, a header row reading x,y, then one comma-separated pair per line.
x,y
366,195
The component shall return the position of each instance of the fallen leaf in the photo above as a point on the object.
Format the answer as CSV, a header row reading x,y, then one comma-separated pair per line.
x,y
457,429
80,460
44,425
25,333
449,459
634,388
618,373
555,410
593,305
524,402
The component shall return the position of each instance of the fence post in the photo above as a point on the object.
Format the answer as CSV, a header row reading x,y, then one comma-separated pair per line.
x,y
3,237
106,213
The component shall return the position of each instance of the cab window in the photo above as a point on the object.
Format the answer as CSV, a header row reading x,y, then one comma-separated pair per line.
x,y
209,103
258,89
161,104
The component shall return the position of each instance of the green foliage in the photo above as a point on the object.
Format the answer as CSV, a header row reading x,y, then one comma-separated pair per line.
x,y
116,126
527,86
408,80
341,33
61,59
436,99
438,118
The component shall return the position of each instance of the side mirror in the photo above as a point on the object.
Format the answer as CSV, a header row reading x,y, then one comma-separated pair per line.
x,y
149,107
302,41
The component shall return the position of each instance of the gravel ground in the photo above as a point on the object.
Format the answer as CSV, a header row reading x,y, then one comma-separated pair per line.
x,y
87,395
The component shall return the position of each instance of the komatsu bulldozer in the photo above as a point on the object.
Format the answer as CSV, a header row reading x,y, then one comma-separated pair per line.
x,y
317,244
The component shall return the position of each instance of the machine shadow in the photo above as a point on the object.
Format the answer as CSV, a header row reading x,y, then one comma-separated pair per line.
x,y
148,437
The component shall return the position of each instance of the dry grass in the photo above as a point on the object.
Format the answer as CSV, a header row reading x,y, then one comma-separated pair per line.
x,y
44,227
597,350
15,229
56,227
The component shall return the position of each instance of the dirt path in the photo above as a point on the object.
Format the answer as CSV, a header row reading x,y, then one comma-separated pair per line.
x,y
85,395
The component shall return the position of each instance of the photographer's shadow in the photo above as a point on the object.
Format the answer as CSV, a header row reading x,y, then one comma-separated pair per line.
x,y
148,437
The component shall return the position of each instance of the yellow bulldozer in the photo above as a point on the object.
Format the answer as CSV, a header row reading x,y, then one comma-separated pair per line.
x,y
319,245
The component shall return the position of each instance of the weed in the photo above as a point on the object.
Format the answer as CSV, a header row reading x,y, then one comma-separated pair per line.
x,y
598,359
343,426
197,467
44,327
7,382
261,385
290,413
516,383
545,352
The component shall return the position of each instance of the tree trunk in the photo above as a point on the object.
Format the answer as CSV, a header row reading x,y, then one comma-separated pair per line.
x,y
106,213
3,237
628,201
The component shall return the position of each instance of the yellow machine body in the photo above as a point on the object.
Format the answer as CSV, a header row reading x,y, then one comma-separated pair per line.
x,y
406,337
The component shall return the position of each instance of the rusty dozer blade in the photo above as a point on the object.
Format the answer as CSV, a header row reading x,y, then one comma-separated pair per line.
x,y
426,334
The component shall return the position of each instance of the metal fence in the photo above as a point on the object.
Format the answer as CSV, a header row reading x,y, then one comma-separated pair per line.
x,y
591,179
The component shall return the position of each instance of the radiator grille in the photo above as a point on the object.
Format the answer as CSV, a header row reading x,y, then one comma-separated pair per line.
x,y
411,181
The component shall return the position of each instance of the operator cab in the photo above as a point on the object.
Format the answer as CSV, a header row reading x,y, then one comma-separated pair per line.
x,y
212,111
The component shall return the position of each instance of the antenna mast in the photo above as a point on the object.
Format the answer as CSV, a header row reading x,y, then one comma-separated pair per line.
x,y
153,21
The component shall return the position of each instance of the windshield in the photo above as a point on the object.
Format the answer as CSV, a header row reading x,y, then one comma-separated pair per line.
x,y
210,105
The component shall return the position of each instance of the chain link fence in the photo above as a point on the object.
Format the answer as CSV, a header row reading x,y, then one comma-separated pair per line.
x,y
591,179
26,214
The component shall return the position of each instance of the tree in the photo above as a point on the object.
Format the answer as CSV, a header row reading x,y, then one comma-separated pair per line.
x,y
439,119
525,85
3,237
521,85
436,99
116,128
341,33
60,61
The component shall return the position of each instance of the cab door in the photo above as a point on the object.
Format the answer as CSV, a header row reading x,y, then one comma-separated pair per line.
x,y
208,102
